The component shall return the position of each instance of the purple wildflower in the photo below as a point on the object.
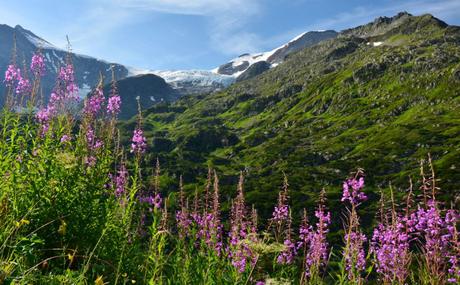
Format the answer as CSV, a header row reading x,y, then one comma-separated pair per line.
x,y
139,142
37,66
93,104
12,74
390,244
288,254
113,105
152,200
23,86
356,196
438,234
239,251
120,181
65,139
355,258
67,77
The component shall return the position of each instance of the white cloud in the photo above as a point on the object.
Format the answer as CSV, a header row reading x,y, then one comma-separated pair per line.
x,y
191,7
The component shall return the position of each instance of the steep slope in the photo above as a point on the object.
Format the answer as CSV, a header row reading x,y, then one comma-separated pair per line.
x,y
254,70
87,69
240,64
344,103
150,89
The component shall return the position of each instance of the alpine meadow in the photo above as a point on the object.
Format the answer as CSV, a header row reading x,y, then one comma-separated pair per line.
x,y
332,159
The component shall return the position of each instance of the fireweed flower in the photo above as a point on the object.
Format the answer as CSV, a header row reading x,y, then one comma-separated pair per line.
x,y
355,258
183,222
119,182
288,254
14,79
313,242
67,77
317,252
37,66
439,234
114,102
65,139
356,195
239,251
280,213
23,86
62,98
94,103
390,245
12,74
139,142
152,200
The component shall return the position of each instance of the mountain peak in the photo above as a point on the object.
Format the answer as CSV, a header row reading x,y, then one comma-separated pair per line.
x,y
402,22
18,27
239,65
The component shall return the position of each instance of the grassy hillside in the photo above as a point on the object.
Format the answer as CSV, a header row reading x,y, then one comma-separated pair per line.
x,y
380,97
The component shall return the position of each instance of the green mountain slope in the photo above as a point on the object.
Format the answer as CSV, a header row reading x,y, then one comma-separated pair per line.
x,y
380,96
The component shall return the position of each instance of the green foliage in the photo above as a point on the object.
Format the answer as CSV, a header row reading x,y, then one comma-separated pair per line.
x,y
329,108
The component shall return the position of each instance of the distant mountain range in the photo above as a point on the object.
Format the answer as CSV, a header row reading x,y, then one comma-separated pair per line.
x,y
181,82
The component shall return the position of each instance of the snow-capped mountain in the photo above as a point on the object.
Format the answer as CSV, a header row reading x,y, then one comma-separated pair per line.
x,y
87,69
204,81
239,65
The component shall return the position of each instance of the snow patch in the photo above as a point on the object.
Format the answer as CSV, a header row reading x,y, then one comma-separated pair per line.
x,y
84,90
374,44
39,42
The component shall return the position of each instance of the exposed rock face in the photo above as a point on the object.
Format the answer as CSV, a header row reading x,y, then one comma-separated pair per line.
x,y
254,70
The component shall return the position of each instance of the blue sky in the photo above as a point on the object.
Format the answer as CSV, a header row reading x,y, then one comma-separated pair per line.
x,y
197,34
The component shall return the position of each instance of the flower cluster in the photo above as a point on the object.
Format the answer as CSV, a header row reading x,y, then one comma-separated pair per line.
x,y
314,242
23,86
14,79
94,103
240,229
355,257
113,105
114,101
356,195
37,65
288,254
65,139
93,143
11,75
438,233
152,200
67,77
390,245
139,142
119,181
61,100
